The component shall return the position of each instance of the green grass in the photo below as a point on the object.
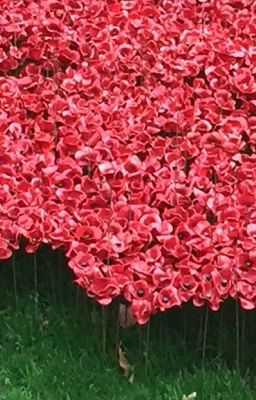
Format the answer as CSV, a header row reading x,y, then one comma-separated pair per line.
x,y
56,345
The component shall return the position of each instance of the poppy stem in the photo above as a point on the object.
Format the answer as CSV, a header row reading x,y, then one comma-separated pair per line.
x,y
147,348
50,263
237,337
93,314
86,305
220,332
60,274
104,331
205,338
35,282
77,302
35,272
161,328
14,279
185,325
117,340
140,334
243,338
200,331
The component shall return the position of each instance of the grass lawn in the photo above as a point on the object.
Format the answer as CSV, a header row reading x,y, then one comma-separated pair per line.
x,y
56,345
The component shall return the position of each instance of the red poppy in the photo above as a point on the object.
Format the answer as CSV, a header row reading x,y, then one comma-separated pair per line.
x,y
104,289
168,297
142,310
5,252
188,285
137,290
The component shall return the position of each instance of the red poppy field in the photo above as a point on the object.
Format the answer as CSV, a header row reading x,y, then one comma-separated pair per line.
x,y
128,141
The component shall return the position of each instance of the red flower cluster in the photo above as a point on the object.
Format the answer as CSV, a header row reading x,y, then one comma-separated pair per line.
x,y
128,139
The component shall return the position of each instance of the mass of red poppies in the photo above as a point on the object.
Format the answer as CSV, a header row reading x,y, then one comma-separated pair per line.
x,y
128,141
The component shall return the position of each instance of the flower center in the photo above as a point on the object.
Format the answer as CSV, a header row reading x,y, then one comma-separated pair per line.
x,y
140,292
165,299
186,285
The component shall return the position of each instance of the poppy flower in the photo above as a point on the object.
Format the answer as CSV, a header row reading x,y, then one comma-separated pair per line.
x,y
137,290
188,285
5,252
142,310
104,289
168,297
